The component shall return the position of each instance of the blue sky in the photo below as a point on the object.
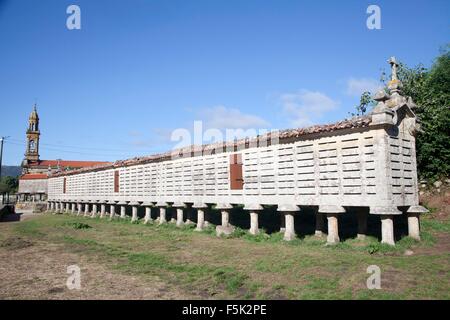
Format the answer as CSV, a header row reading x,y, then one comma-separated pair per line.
x,y
139,69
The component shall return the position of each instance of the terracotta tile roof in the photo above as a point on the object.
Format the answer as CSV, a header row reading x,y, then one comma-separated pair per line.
x,y
287,134
33,176
67,163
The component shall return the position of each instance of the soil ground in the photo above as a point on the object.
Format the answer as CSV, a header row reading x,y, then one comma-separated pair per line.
x,y
120,260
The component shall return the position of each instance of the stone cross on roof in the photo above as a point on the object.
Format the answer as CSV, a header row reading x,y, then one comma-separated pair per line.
x,y
394,64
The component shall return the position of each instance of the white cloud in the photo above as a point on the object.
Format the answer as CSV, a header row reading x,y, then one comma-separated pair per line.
x,y
356,87
306,107
221,117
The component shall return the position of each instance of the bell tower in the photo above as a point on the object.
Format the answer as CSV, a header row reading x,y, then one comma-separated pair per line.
x,y
33,133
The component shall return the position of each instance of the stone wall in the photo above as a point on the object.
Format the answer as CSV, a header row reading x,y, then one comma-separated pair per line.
x,y
33,186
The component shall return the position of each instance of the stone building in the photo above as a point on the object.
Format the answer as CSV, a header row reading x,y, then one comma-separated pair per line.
x,y
365,163
34,178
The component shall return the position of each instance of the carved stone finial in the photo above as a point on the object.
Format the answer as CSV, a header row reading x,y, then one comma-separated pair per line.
x,y
381,96
394,65
394,85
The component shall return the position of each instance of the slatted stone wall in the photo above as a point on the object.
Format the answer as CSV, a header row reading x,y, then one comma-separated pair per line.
x,y
305,172
403,176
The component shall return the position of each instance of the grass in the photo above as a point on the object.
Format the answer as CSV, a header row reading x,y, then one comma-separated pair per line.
x,y
246,266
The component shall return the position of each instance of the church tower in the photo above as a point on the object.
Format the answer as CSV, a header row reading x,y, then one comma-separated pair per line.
x,y
33,133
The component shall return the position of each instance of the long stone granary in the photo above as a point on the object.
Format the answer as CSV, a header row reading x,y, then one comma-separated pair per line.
x,y
366,161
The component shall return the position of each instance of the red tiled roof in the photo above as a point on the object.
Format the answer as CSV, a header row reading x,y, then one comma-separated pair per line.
x,y
67,163
33,176
355,122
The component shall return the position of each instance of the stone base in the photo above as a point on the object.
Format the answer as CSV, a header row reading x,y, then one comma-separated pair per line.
x,y
361,237
319,233
180,224
289,236
220,230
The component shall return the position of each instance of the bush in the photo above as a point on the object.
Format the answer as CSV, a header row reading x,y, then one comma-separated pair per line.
x,y
78,225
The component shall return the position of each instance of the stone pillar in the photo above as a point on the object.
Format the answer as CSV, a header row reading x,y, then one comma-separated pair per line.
x,y
52,206
162,215
414,226
86,209
180,220
148,212
74,208
289,234
200,220
102,209
332,213
201,207
134,211
319,224
387,229
61,207
225,214
254,223
413,213
288,211
112,210
48,207
362,224
333,228
94,210
225,227
123,209
254,210
80,208
162,212
180,213
67,207
387,222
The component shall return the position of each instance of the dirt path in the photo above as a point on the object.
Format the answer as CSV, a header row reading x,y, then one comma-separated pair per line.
x,y
37,270
34,261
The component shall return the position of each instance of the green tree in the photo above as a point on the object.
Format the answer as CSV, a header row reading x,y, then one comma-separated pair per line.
x,y
365,102
430,90
8,184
